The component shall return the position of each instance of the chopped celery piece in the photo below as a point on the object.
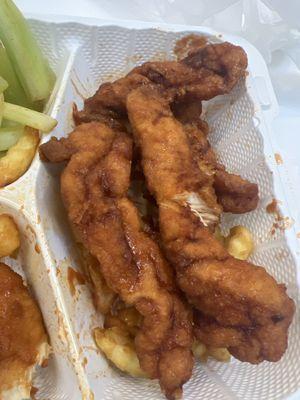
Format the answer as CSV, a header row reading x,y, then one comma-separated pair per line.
x,y
3,84
31,66
31,118
9,124
1,107
14,93
9,136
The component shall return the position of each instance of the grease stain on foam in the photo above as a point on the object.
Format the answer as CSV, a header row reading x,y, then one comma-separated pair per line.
x,y
134,59
278,159
75,278
84,362
37,248
272,208
280,223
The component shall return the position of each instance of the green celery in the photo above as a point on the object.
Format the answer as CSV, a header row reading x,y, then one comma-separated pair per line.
x,y
31,66
14,93
25,116
1,107
3,84
9,136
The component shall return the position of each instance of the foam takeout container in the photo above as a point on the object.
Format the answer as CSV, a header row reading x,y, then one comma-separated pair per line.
x,y
85,53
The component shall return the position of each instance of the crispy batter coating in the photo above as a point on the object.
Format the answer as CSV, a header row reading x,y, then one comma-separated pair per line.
x,y
22,332
236,294
108,104
94,186
235,194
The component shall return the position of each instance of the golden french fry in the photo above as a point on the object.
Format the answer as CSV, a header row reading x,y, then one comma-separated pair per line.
x,y
239,242
200,351
18,158
219,353
103,296
9,236
119,349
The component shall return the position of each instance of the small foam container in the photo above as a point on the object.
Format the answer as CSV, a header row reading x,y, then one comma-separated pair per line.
x,y
84,54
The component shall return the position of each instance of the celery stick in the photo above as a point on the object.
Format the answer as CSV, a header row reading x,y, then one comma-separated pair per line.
x,y
10,136
27,58
14,93
31,118
3,84
1,107
9,124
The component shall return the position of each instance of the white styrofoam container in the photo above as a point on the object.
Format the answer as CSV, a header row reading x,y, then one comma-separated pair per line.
x,y
83,55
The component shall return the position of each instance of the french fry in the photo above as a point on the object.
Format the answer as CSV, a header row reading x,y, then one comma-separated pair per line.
x,y
202,352
119,349
219,353
18,158
9,236
103,296
239,242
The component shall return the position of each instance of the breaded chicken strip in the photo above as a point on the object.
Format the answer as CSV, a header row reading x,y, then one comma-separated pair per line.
x,y
236,294
94,190
205,73
23,339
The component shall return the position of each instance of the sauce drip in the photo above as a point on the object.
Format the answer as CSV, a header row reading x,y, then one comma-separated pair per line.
x,y
75,278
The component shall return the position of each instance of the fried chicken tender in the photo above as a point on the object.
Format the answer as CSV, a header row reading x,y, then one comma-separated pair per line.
x,y
23,339
94,190
205,73
242,299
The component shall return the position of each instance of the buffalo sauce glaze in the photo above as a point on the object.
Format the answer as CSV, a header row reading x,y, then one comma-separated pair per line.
x,y
21,328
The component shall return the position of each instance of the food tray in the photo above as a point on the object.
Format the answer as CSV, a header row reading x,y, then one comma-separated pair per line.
x,y
84,55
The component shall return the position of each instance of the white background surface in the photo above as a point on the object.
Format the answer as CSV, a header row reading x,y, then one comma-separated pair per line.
x,y
271,25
